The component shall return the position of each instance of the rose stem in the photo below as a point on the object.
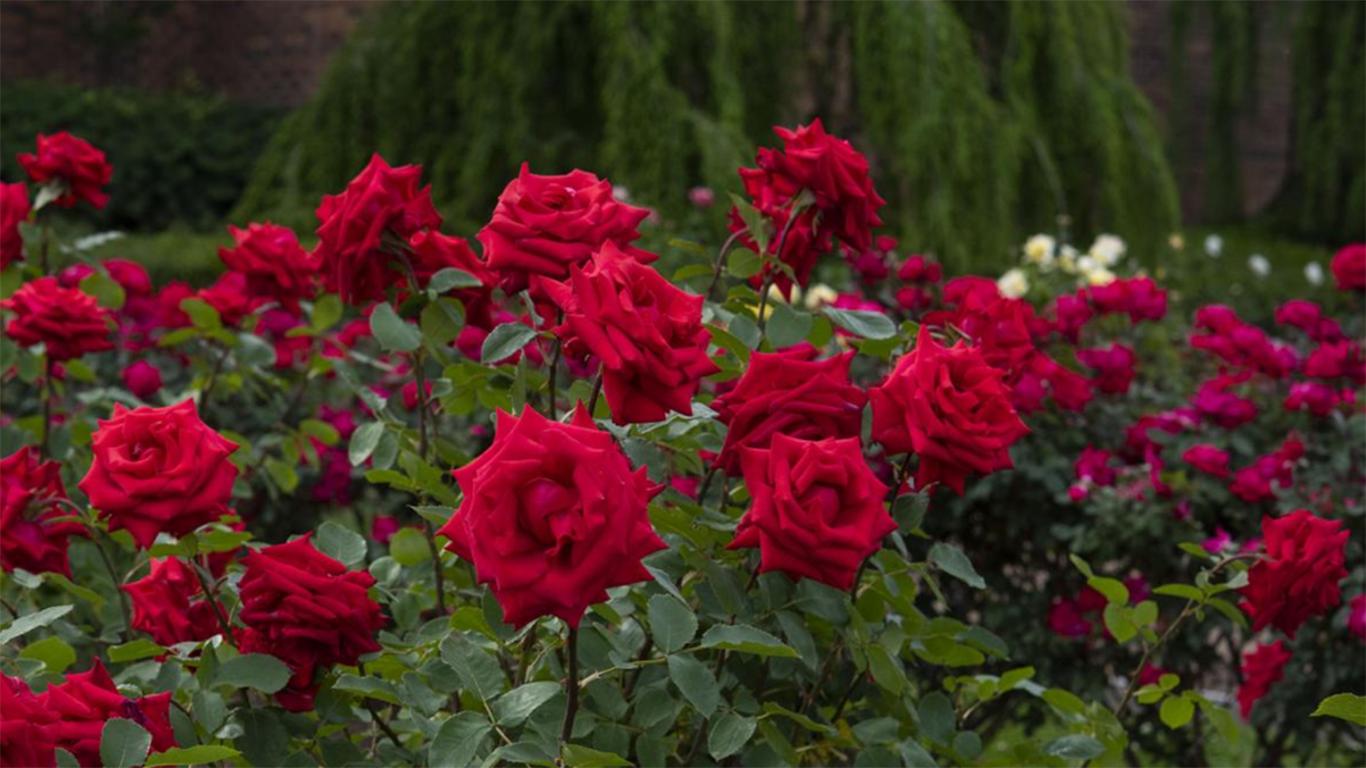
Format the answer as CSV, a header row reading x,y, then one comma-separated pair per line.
x,y
571,684
771,272
721,261
597,390
118,587
213,601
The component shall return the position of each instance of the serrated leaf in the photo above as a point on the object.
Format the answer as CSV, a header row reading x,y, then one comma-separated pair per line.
x,y
363,442
672,624
951,560
504,341
392,332
123,743
728,734
254,670
478,671
515,706
458,739
868,325
696,683
746,639
341,543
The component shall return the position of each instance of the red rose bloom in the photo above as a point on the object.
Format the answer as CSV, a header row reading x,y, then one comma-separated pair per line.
x,y
1114,367
918,269
772,196
1332,360
308,610
351,228
1356,617
544,225
1349,267
274,264
1094,465
159,470
788,393
142,379
74,163
168,604
1299,576
552,516
1318,399
647,333
433,252
1263,667
1138,297
68,322
25,740
1208,459
1072,312
816,509
82,704
949,407
14,208
32,535
1065,619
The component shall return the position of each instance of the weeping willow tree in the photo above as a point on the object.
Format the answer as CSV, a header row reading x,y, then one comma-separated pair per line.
x,y
985,121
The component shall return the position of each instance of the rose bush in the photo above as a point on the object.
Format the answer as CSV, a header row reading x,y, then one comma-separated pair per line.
x,y
378,496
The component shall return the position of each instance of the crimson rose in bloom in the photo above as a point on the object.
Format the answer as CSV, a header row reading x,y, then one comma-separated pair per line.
x,y
274,264
789,393
1349,267
1299,576
67,321
168,604
14,208
647,333
159,470
82,704
308,610
817,509
544,225
31,535
1263,667
351,228
25,740
552,516
949,407
1208,459
74,163
1114,367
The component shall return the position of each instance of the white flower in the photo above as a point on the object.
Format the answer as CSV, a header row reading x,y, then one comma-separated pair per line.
x,y
1088,263
621,193
1176,241
1107,250
1013,284
1099,276
818,295
1067,259
1039,250
1259,265
1214,245
1313,273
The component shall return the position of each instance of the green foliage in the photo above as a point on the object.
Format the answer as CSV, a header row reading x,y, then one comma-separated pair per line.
x,y
179,158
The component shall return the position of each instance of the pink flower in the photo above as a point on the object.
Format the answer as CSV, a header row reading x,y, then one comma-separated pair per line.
x,y
1208,459
142,379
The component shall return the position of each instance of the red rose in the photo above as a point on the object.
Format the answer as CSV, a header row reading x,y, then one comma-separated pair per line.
x,y
25,738
1138,297
433,252
32,535
159,470
1356,617
1263,667
1318,399
816,509
14,208
802,246
918,269
1114,367
1072,312
552,517
274,264
72,162
999,326
1342,358
1216,403
82,704
789,393
68,322
308,610
169,605
1094,465
543,225
142,379
1065,619
949,407
351,227
1349,267
1298,578
647,333
1208,459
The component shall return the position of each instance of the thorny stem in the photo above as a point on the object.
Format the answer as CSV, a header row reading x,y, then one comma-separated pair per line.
x,y
118,587
213,379
571,684
213,601
771,271
597,390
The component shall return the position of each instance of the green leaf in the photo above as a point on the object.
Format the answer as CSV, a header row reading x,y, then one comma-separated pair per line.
x,y
106,290
1176,711
937,717
408,546
283,474
1075,746
451,278
909,509
1344,706
788,326
1120,622
458,739
746,639
327,310
887,671
772,708
1181,590
478,670
65,759
141,648
320,430
201,314
515,706
363,442
504,341
1064,701
25,624
968,744
728,733
951,560
123,743
55,653
440,321
202,754
869,325
696,683
671,623
367,687
1114,590
392,332
579,756
254,670
340,542
743,263
1145,613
